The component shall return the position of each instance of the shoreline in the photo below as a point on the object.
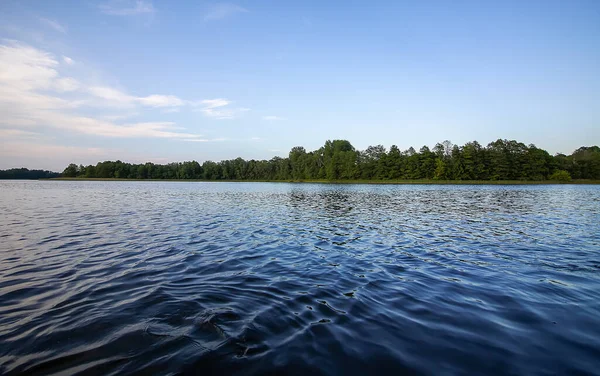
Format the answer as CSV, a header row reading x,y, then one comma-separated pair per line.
x,y
358,181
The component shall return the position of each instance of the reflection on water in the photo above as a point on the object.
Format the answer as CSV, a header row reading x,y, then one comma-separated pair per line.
x,y
248,278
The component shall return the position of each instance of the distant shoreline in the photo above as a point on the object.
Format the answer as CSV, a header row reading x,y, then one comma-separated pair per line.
x,y
376,182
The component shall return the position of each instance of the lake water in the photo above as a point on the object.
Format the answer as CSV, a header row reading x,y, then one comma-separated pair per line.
x,y
254,278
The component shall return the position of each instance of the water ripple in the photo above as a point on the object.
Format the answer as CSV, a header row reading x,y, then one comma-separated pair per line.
x,y
253,278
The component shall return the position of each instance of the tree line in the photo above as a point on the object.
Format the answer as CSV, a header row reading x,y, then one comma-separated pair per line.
x,y
339,160
23,173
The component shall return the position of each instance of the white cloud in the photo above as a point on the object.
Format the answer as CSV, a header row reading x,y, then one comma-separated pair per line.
x,y
28,76
161,101
223,10
120,116
25,67
17,133
35,96
118,97
218,114
273,118
66,84
127,7
222,114
110,94
217,109
39,99
203,140
98,127
14,102
214,103
54,25
255,138
15,121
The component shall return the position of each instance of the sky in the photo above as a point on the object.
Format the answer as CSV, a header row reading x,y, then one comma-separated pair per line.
x,y
167,81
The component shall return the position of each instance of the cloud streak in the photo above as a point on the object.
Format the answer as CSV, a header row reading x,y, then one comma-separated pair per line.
x,y
116,96
17,133
273,118
127,7
204,140
161,101
223,10
219,109
54,25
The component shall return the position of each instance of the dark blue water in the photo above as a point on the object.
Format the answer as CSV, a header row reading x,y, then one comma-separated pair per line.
x,y
252,278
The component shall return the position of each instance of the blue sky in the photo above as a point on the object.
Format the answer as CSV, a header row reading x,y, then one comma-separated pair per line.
x,y
163,81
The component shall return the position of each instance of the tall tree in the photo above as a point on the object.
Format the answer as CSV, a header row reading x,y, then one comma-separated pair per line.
x,y
339,160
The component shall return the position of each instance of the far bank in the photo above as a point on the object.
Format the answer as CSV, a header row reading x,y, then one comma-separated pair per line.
x,y
397,182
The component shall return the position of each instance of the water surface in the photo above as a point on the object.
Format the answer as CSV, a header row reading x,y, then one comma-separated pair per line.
x,y
253,278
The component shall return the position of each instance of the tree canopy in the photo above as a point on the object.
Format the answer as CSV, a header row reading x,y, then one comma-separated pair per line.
x,y
23,173
339,160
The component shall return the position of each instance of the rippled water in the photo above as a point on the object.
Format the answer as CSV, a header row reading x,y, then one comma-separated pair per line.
x,y
252,278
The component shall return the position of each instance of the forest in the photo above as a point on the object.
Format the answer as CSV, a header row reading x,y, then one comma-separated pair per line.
x,y
339,160
23,173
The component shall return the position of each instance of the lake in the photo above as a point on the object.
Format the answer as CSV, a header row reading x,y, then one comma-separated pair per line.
x,y
255,278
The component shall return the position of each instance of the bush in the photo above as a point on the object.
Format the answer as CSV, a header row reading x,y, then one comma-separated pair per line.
x,y
560,175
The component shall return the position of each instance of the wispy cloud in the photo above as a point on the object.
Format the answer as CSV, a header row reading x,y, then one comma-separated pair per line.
x,y
204,139
218,109
127,7
223,10
66,84
120,116
161,101
116,96
17,133
31,97
214,103
43,97
111,94
255,139
26,68
54,25
273,118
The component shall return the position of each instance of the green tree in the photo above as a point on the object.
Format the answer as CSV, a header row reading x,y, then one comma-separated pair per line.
x,y
427,163
440,169
561,175
71,171
298,162
339,160
394,163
